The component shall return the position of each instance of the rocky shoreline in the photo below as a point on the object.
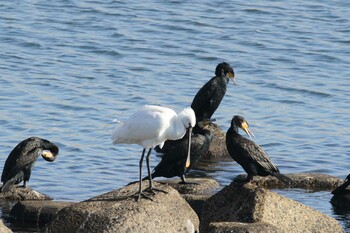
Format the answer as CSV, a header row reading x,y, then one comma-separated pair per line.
x,y
197,207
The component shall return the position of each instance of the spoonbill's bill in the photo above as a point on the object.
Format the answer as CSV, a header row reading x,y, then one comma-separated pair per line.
x,y
151,126
19,163
248,154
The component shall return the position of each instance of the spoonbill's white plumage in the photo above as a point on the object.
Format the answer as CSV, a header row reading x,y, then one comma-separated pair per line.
x,y
151,126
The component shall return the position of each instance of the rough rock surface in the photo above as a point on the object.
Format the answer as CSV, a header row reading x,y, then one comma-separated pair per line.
x,y
116,211
252,204
217,148
238,227
196,192
196,201
194,186
36,213
23,193
316,182
3,228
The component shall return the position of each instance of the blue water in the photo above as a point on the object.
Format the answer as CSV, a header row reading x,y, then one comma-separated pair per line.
x,y
68,68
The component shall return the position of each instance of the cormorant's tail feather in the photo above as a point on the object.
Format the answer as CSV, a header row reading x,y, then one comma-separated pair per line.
x,y
341,188
8,184
285,179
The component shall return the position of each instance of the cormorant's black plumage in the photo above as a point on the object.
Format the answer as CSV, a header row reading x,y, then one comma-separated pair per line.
x,y
209,97
253,159
173,162
20,161
342,187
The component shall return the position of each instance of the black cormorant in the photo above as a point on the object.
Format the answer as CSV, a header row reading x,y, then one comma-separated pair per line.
x,y
342,187
209,97
19,163
253,159
173,162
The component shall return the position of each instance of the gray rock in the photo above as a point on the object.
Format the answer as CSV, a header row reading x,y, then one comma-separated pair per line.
x,y
3,228
238,227
116,211
197,186
316,182
196,201
23,193
252,204
217,148
36,213
196,192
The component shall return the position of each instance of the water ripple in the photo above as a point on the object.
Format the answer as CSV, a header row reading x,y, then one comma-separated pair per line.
x,y
69,68
301,91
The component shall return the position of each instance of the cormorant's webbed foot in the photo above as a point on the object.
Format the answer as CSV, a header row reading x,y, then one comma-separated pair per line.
x,y
241,183
183,181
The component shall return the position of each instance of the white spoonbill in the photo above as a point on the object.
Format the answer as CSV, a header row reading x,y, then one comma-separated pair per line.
x,y
151,126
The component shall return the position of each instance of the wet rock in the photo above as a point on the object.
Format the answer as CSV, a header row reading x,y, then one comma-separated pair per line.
x,y
238,227
17,193
116,211
3,228
252,204
36,213
217,148
194,186
316,182
196,201
196,192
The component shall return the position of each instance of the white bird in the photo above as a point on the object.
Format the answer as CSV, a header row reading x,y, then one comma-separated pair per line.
x,y
152,126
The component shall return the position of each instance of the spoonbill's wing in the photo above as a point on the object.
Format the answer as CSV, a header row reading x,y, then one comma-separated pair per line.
x,y
144,126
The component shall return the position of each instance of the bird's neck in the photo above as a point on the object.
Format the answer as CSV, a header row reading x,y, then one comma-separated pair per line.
x,y
177,130
225,79
234,131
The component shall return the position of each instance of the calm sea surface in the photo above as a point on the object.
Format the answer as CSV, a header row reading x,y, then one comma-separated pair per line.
x,y
68,68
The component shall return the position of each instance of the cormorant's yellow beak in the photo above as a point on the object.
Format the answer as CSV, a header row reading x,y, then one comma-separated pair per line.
x,y
246,129
232,77
48,156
